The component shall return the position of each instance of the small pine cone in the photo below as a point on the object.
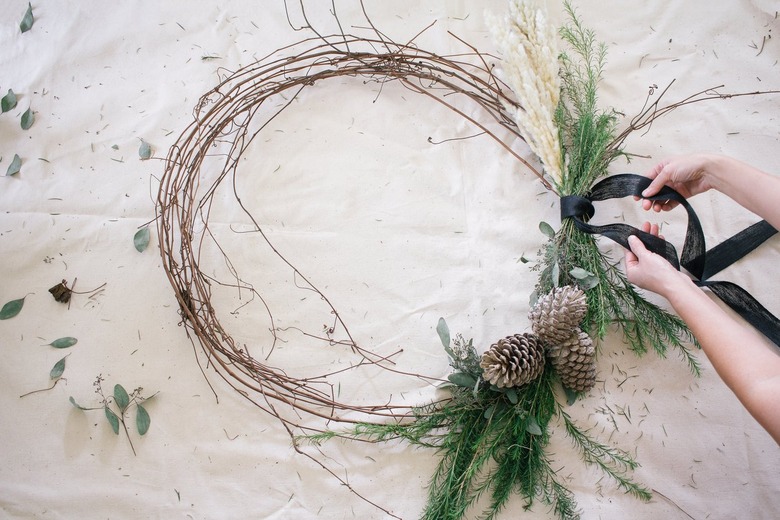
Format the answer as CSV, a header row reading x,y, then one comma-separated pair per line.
x,y
574,360
558,313
513,361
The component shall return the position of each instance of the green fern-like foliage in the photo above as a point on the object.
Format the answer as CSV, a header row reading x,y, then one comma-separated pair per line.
x,y
588,145
493,444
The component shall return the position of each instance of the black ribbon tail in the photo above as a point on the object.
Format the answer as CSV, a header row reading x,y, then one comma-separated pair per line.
x,y
734,248
744,304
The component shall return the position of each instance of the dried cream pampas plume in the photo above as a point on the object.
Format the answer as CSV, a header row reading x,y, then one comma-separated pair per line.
x,y
529,44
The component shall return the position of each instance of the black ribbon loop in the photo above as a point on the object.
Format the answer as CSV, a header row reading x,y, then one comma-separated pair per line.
x,y
699,262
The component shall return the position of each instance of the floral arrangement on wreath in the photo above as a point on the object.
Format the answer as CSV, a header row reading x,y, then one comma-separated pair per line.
x,y
492,431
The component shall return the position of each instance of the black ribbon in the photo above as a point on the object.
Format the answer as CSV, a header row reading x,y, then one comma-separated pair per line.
x,y
699,262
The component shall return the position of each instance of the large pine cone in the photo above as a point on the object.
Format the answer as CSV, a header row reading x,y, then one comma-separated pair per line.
x,y
557,314
513,361
574,360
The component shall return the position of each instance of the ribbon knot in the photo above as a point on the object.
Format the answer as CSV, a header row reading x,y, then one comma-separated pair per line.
x,y
576,206
702,264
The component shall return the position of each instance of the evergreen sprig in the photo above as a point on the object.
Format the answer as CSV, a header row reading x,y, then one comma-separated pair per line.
x,y
588,140
493,446
586,131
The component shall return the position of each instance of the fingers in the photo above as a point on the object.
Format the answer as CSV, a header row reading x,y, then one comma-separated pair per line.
x,y
656,185
636,251
658,180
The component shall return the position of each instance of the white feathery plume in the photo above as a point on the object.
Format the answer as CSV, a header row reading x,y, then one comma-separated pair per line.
x,y
529,44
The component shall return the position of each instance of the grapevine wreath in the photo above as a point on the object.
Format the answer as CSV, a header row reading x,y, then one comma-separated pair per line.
x,y
497,409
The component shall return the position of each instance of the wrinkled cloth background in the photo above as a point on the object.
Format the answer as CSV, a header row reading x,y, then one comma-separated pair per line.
x,y
396,230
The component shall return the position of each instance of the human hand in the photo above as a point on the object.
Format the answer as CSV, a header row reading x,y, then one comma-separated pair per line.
x,y
649,270
687,174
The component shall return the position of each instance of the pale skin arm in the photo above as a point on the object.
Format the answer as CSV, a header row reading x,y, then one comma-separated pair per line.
x,y
743,359
752,188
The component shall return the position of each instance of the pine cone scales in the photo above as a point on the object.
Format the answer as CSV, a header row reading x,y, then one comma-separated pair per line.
x,y
513,361
558,313
574,361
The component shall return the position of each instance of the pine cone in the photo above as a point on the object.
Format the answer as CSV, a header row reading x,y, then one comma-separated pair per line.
x,y
513,361
574,360
557,314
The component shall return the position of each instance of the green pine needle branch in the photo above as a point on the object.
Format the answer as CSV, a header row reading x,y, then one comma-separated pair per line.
x,y
492,447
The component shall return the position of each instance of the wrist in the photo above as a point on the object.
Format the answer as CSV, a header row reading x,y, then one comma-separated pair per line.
x,y
715,172
679,288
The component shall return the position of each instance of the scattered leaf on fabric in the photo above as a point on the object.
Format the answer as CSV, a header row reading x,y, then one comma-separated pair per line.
x,y
65,342
28,118
11,309
141,239
15,166
28,20
58,369
144,151
142,420
8,102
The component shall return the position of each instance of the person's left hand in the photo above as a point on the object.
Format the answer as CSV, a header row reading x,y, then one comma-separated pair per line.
x,y
649,270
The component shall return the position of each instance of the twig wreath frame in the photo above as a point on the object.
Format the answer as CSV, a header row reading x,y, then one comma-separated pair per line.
x,y
226,121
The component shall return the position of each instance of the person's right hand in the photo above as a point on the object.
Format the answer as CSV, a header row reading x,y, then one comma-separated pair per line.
x,y
686,174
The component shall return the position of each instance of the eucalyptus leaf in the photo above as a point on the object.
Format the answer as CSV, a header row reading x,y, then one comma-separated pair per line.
x,y
112,419
142,420
65,342
556,274
144,151
571,395
77,405
489,412
444,332
546,229
580,274
121,397
11,309
15,166
589,283
511,394
141,239
28,118
28,20
462,379
57,369
8,102
533,427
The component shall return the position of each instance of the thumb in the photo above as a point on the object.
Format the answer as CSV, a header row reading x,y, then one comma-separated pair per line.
x,y
654,186
636,246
